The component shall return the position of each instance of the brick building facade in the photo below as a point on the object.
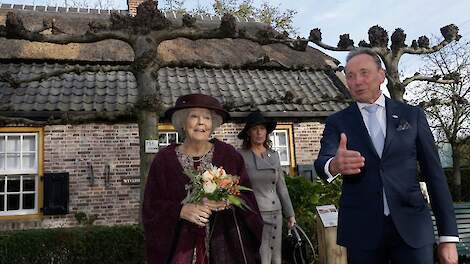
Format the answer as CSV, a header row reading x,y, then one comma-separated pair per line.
x,y
93,167
73,148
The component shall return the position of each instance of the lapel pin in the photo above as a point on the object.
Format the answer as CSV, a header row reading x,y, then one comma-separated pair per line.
x,y
395,116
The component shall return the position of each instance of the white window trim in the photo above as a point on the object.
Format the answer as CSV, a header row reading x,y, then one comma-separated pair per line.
x,y
287,146
21,173
166,133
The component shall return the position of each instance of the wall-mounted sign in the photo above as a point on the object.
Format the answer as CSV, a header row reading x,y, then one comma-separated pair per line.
x,y
130,181
151,146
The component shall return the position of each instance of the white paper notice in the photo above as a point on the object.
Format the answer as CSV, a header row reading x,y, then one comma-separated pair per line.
x,y
328,215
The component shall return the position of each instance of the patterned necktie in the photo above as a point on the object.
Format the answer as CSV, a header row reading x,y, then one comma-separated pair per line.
x,y
378,139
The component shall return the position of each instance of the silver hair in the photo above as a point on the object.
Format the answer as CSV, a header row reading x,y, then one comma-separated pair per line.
x,y
179,118
366,51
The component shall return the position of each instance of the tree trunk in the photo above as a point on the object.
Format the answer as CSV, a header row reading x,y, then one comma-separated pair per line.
x,y
394,86
456,175
394,90
148,123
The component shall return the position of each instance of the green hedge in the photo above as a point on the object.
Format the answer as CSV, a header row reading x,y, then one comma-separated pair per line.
x,y
84,245
305,196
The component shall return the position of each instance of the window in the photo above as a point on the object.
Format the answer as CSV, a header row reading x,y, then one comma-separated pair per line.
x,y
20,157
280,140
166,138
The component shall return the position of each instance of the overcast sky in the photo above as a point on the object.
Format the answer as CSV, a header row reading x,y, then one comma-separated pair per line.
x,y
335,17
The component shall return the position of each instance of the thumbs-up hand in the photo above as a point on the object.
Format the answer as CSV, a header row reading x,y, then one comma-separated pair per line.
x,y
346,162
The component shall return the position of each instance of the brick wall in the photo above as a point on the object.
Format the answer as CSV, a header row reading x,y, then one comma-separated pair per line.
x,y
228,133
307,141
132,6
70,148
307,137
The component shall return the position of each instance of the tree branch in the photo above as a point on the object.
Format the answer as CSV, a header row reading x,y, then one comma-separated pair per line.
x,y
328,47
8,77
15,29
88,37
73,117
420,77
289,98
411,50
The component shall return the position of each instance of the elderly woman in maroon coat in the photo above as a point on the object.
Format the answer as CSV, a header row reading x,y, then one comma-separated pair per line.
x,y
210,231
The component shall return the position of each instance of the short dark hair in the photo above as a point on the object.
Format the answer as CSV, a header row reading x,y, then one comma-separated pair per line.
x,y
366,51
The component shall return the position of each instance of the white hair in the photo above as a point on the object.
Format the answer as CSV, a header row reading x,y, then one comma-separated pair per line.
x,y
179,118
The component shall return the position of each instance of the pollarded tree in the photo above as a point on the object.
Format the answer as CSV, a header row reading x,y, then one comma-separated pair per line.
x,y
391,55
448,105
143,33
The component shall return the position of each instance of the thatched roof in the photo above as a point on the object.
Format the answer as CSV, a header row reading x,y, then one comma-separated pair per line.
x,y
229,52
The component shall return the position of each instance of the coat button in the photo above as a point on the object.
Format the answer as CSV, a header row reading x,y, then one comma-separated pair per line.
x,y
274,202
274,182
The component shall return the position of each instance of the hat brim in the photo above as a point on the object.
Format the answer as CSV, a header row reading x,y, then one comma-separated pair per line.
x,y
223,113
270,126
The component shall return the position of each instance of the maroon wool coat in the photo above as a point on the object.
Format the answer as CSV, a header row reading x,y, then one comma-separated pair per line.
x,y
164,192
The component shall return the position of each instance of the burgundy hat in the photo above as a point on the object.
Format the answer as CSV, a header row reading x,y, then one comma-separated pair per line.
x,y
199,101
256,118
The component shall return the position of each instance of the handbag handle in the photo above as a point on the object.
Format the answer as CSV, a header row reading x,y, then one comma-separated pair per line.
x,y
298,234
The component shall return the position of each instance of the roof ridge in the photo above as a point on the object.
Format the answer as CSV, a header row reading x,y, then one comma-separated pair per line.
x,y
60,9
209,16
83,10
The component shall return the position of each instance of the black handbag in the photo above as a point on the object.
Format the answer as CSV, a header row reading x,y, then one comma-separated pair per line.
x,y
298,248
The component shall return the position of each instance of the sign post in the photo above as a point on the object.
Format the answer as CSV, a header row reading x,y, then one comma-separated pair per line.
x,y
328,251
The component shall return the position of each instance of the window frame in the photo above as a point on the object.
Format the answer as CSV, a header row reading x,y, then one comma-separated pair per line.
x,y
167,128
288,129
36,213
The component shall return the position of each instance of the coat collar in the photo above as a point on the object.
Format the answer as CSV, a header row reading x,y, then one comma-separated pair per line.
x,y
265,163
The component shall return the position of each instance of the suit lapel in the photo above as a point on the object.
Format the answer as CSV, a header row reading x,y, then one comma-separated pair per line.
x,y
361,129
392,115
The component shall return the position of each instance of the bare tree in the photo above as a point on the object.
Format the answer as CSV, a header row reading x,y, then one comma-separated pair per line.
x,y
143,33
281,20
390,55
174,5
448,105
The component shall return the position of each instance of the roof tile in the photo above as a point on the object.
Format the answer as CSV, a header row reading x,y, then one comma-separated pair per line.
x,y
117,90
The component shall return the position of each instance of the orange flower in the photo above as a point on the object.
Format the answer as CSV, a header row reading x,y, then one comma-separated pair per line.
x,y
224,183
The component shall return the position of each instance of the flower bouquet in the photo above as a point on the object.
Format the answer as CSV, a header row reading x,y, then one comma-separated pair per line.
x,y
214,184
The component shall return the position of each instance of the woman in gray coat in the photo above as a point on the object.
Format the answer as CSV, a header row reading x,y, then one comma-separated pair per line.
x,y
267,180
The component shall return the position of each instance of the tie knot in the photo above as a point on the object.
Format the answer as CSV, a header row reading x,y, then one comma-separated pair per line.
x,y
371,108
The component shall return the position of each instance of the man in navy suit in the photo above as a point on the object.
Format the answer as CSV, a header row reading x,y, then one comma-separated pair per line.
x,y
375,145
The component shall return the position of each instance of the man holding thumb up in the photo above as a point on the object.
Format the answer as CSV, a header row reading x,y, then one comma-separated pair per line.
x,y
375,145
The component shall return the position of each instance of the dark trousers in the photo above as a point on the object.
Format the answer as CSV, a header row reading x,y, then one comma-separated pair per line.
x,y
392,250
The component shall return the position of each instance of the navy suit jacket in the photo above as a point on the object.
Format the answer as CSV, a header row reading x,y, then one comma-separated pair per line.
x,y
408,141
